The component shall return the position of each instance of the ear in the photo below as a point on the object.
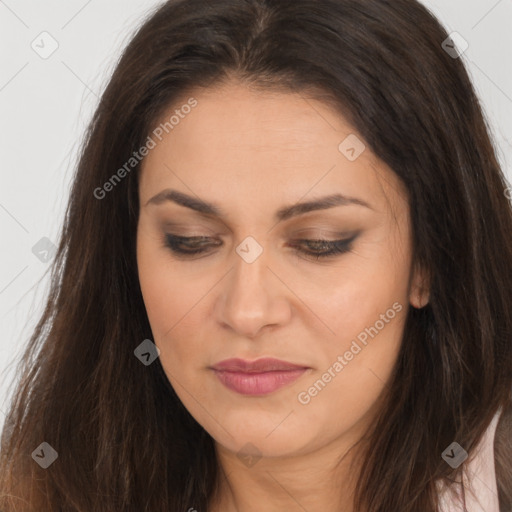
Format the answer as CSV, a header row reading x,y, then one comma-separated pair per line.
x,y
419,293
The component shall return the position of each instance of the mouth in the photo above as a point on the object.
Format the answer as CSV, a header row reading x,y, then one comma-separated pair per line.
x,y
258,377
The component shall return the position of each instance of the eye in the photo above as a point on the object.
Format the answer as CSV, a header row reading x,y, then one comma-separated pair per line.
x,y
320,248
311,248
188,245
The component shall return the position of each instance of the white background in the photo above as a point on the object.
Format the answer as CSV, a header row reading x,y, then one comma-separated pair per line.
x,y
45,105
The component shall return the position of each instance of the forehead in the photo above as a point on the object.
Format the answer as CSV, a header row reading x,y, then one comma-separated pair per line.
x,y
246,119
260,144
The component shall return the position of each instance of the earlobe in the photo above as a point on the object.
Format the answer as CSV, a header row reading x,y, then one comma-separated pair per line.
x,y
420,289
420,301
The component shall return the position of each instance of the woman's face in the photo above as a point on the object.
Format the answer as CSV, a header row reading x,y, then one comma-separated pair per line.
x,y
252,293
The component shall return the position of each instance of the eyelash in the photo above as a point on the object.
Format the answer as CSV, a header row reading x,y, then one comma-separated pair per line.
x,y
334,247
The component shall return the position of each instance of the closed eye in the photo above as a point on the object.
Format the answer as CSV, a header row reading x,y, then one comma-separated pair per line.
x,y
311,248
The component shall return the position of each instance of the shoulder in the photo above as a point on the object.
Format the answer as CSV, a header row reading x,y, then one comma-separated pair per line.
x,y
480,490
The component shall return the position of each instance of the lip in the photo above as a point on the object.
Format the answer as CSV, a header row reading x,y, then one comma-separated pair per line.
x,y
265,364
259,377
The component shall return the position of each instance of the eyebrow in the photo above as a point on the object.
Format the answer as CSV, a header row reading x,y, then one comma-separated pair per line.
x,y
206,208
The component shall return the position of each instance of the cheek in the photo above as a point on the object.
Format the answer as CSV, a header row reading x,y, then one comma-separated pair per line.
x,y
174,301
158,283
353,293
360,297
345,391
367,310
173,306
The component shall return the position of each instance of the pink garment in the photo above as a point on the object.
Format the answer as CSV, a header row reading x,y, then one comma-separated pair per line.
x,y
480,488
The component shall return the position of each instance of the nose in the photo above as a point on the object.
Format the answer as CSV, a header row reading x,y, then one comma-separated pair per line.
x,y
253,297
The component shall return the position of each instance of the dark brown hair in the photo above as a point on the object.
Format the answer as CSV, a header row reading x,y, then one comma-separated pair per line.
x,y
124,440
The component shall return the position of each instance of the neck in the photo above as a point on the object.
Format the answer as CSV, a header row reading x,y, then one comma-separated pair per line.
x,y
319,480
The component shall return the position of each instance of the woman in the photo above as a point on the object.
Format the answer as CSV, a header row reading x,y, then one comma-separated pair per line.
x,y
284,278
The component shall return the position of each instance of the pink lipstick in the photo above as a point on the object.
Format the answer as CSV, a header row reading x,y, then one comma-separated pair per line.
x,y
257,377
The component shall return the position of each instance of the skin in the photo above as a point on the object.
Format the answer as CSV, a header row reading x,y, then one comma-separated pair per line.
x,y
253,153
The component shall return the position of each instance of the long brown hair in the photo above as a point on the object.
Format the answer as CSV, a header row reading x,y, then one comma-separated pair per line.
x,y
124,440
